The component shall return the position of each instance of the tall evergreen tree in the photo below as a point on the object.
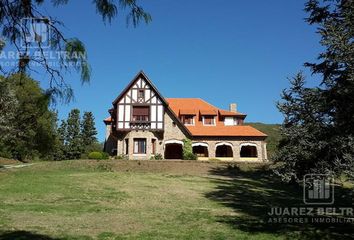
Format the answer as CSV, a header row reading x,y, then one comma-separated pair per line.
x,y
33,133
73,135
59,152
8,111
319,122
62,132
88,129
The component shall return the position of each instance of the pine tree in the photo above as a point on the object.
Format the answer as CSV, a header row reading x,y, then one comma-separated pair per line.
x,y
73,138
319,122
88,130
61,143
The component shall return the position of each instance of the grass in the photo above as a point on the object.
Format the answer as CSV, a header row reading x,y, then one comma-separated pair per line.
x,y
148,200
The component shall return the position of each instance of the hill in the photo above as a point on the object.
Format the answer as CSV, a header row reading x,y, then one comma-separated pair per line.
x,y
273,132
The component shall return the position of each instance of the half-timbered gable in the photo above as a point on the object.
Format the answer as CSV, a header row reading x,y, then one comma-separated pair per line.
x,y
140,106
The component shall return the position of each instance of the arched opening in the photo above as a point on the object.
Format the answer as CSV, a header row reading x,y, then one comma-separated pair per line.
x,y
173,151
200,151
224,150
248,151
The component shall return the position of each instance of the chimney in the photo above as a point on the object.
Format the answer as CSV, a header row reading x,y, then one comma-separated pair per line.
x,y
233,107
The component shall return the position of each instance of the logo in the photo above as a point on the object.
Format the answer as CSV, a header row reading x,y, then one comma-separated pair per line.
x,y
36,32
318,189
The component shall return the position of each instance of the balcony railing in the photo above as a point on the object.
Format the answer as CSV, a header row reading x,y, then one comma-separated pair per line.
x,y
140,124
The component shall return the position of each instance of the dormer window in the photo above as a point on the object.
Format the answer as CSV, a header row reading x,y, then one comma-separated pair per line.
x,y
209,120
188,119
230,121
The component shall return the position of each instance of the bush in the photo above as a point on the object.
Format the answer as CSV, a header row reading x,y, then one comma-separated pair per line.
x,y
121,157
189,156
188,150
105,155
156,157
95,155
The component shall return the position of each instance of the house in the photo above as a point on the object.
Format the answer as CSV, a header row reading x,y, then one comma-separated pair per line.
x,y
143,123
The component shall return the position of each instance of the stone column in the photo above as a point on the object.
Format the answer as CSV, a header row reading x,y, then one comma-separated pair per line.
x,y
148,148
131,147
211,149
236,151
259,152
265,152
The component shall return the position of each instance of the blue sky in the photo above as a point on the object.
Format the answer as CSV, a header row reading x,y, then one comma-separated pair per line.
x,y
220,50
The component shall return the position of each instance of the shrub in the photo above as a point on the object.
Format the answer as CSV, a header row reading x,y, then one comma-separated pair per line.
x,y
95,155
189,156
188,150
156,157
121,157
105,155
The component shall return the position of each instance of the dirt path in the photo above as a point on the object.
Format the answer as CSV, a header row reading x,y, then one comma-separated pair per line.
x,y
16,165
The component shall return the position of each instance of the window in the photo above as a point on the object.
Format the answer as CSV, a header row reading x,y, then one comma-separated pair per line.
x,y
209,120
230,121
139,146
153,143
141,94
188,119
141,114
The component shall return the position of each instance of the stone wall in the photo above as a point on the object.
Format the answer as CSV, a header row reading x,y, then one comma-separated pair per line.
x,y
173,131
236,146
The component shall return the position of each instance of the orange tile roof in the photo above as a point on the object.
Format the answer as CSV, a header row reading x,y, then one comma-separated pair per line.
x,y
187,112
206,112
109,119
176,104
228,113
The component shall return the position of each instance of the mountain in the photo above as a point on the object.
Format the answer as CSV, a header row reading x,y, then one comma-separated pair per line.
x,y
273,132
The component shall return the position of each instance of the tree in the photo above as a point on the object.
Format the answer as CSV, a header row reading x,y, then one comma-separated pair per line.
x,y
8,110
318,130
19,20
32,132
73,135
59,148
88,130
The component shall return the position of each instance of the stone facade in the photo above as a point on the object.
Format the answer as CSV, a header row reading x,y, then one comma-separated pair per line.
x,y
146,124
236,144
174,132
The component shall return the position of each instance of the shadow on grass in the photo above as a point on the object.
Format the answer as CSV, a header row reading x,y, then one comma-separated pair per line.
x,y
252,194
27,235
24,235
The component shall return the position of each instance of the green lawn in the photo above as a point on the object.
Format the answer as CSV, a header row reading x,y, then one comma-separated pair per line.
x,y
158,200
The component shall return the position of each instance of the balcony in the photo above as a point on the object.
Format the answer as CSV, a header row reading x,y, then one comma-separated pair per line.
x,y
140,125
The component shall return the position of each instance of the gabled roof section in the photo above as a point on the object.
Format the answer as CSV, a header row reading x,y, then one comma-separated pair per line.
x,y
225,113
187,112
208,112
142,75
203,108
